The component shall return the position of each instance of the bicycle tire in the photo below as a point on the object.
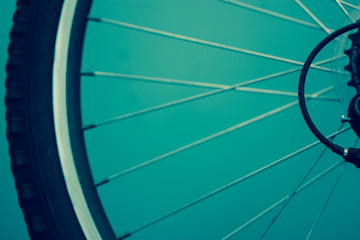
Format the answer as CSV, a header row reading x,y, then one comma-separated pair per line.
x,y
39,179
42,187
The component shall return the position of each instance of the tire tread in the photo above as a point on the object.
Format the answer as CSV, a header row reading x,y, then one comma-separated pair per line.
x,y
17,131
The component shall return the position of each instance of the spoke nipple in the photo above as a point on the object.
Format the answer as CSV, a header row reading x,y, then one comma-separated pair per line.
x,y
345,119
102,182
85,73
95,19
126,235
85,128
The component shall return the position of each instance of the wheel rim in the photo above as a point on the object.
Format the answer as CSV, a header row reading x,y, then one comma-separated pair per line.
x,y
198,140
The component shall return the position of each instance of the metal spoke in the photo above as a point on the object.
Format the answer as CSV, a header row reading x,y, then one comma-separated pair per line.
x,y
200,42
206,139
281,201
297,187
199,96
232,184
199,142
271,13
349,5
199,84
222,88
285,93
186,100
323,207
155,79
327,30
344,10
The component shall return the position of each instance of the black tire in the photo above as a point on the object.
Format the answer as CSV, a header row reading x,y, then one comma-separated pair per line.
x,y
42,191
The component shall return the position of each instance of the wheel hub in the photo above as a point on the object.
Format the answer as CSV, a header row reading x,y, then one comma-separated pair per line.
x,y
349,154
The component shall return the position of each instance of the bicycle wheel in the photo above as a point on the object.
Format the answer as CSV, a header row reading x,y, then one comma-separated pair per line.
x,y
201,128
43,193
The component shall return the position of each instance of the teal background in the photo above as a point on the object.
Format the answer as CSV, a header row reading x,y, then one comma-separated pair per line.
x,y
138,198
12,225
147,194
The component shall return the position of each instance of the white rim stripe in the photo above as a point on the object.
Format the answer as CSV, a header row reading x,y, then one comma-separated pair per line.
x,y
61,125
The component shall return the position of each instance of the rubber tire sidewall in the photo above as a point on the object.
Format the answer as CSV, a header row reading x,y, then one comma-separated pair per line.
x,y
42,191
